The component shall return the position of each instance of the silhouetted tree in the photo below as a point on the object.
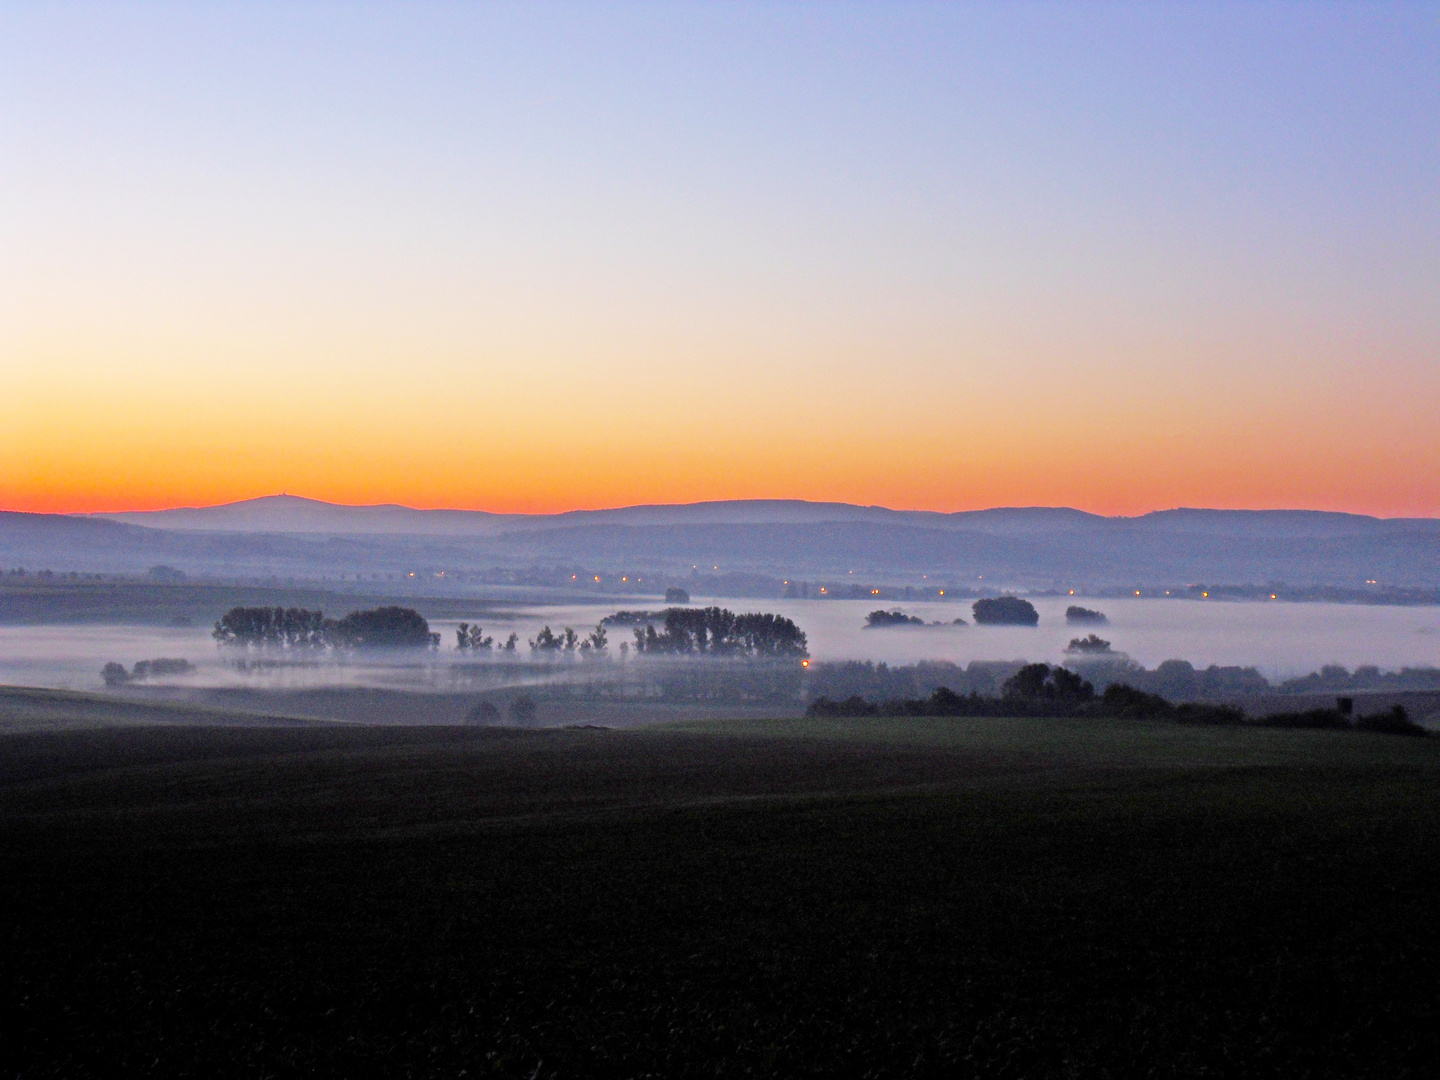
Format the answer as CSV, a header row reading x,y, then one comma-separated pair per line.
x,y
1091,644
472,639
1040,682
384,627
877,619
547,641
1028,682
854,705
1121,700
596,641
1005,611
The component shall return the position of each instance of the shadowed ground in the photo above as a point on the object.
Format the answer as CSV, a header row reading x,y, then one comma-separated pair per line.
x,y
788,898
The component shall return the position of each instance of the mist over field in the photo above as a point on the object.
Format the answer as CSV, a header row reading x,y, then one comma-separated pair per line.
x,y
1284,593
1282,640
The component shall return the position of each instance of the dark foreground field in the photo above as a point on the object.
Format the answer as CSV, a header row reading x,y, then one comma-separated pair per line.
x,y
907,898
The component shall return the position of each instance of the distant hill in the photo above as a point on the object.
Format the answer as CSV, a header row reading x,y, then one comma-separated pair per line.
x,y
1021,546
294,514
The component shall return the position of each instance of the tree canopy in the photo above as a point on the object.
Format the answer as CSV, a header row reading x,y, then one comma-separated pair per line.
x,y
717,631
1091,644
292,628
878,619
1005,611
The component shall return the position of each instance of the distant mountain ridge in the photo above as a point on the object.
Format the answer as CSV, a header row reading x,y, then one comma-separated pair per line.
x,y
295,514
1019,547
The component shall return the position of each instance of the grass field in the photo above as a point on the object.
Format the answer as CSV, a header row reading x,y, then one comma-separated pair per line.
x,y
787,898
35,710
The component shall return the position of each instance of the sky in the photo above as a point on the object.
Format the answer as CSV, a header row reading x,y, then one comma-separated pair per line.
x,y
539,257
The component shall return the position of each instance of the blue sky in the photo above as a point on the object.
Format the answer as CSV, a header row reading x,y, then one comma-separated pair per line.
x,y
996,232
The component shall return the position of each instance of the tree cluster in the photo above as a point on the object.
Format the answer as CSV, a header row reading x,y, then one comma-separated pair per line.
x,y
266,627
593,643
1005,611
1089,645
1041,682
115,674
472,639
715,631
880,619
1176,680
1334,678
1042,691
294,628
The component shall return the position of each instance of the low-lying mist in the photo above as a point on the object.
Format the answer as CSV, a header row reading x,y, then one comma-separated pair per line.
x,y
1280,641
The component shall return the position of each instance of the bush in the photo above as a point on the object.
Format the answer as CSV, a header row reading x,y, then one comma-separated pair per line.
x,y
1206,713
1395,722
144,669
1091,645
854,705
1005,611
677,596
1125,702
891,618
1309,718
1080,616
115,674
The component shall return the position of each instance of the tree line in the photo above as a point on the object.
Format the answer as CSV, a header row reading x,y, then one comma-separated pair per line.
x,y
547,641
711,631
300,628
471,638
1038,690
715,631
1177,680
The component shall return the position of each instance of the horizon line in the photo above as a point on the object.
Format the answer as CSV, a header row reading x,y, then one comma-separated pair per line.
x,y
718,502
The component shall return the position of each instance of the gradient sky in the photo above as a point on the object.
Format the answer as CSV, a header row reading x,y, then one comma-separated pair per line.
x,y
1120,257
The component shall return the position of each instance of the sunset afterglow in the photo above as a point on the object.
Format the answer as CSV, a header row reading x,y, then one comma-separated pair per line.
x,y
1121,258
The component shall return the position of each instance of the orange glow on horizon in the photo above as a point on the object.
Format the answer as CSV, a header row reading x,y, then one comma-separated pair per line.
x,y
117,444
719,254
87,498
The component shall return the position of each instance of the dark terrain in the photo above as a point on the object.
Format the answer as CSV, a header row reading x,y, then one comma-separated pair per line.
x,y
797,898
